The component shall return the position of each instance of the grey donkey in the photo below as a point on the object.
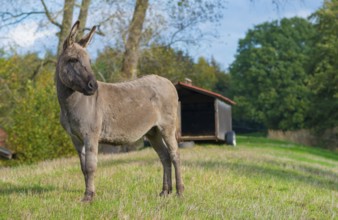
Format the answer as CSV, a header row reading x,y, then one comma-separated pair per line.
x,y
118,113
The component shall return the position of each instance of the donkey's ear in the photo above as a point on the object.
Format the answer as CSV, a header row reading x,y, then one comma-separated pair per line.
x,y
72,34
85,40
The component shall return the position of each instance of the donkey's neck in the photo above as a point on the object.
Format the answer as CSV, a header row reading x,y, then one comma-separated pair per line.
x,y
63,92
68,98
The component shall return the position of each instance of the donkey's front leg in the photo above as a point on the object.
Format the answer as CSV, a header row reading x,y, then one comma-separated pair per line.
x,y
79,146
91,147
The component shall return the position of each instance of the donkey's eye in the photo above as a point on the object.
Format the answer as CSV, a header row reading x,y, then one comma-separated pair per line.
x,y
73,60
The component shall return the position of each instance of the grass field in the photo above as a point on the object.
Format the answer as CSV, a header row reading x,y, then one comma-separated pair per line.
x,y
258,179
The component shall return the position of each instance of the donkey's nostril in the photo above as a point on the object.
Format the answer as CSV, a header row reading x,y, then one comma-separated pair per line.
x,y
91,85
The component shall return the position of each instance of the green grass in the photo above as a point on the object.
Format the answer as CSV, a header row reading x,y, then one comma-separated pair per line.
x,y
258,179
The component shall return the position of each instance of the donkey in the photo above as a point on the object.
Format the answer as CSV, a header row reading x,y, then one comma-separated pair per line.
x,y
94,112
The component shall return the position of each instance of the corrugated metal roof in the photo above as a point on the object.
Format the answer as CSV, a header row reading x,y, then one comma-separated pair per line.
x,y
206,92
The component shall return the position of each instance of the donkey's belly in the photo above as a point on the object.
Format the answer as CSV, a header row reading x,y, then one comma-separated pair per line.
x,y
127,130
117,138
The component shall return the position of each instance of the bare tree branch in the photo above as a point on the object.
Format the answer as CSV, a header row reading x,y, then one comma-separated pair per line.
x,y
16,18
105,21
98,31
47,13
42,64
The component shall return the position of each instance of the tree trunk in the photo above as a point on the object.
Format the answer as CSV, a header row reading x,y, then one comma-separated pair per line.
x,y
130,58
83,17
67,20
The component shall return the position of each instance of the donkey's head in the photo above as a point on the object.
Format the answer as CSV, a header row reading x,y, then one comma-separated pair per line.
x,y
74,67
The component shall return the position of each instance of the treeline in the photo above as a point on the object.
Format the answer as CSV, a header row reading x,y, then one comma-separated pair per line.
x,y
165,61
285,74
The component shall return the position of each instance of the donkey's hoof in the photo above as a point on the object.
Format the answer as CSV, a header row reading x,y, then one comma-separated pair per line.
x,y
165,193
180,194
180,191
88,197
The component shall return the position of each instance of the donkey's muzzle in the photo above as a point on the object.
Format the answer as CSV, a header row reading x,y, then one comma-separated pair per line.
x,y
91,87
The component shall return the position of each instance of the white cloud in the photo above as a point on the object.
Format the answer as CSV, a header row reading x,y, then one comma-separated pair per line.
x,y
26,34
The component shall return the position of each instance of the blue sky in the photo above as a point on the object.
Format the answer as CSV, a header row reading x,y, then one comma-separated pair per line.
x,y
242,15
239,16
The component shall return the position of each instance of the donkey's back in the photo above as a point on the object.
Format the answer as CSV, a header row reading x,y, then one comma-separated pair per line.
x,y
136,106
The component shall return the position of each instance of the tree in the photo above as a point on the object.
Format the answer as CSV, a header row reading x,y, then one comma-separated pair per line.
x,y
269,75
108,65
204,74
223,79
83,17
165,61
176,66
130,58
324,83
67,20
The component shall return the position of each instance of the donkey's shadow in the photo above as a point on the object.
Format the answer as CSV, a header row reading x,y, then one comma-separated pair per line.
x,y
8,189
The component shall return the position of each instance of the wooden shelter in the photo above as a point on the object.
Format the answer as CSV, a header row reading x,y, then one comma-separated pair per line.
x,y
204,115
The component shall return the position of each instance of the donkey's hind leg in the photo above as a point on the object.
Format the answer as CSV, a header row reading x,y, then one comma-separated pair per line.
x,y
169,137
157,143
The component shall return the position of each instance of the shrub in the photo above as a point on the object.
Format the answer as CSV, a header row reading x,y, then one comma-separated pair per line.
x,y
34,130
